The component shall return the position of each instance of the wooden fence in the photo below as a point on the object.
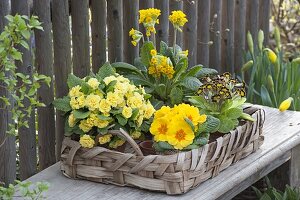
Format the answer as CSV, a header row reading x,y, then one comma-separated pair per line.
x,y
214,36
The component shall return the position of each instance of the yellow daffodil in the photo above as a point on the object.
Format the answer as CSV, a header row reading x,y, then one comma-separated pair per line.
x,y
285,104
86,141
271,55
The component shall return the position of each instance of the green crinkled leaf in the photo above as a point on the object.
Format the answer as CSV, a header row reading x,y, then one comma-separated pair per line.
x,y
237,103
86,88
176,95
191,146
145,127
77,130
206,72
181,67
191,83
234,113
105,71
161,89
127,68
135,112
74,81
139,80
192,71
122,121
139,64
190,123
157,104
102,131
212,124
165,146
200,141
62,104
79,114
145,53
105,118
198,101
226,124
163,48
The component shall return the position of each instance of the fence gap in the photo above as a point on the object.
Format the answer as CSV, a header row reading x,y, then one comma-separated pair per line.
x,y
62,61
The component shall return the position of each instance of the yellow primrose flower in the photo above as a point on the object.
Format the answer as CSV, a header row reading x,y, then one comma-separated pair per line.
x,y
86,141
190,112
104,106
140,120
178,18
161,65
148,18
71,120
135,101
271,55
285,104
114,99
75,91
153,52
92,101
159,129
85,126
77,102
93,82
105,139
136,36
149,110
126,112
109,79
180,134
162,112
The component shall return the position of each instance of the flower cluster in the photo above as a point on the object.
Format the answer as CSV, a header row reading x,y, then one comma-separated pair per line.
x,y
178,19
176,125
148,18
160,65
221,87
97,105
136,36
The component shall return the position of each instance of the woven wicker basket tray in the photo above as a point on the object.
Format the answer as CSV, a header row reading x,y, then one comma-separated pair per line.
x,y
173,174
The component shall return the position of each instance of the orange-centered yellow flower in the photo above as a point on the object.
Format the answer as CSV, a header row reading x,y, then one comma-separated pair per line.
x,y
285,104
159,129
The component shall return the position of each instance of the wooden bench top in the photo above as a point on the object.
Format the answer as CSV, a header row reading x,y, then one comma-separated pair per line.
x,y
282,134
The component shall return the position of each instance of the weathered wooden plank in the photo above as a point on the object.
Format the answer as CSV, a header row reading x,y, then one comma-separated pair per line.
x,y
44,65
162,29
7,144
264,17
27,136
228,36
203,32
295,167
253,18
80,37
115,30
98,10
215,35
280,138
190,31
175,5
62,60
239,33
131,20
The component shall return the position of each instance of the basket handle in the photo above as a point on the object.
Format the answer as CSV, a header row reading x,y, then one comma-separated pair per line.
x,y
123,134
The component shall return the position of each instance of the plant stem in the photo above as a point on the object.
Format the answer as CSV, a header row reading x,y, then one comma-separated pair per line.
x,y
154,40
174,40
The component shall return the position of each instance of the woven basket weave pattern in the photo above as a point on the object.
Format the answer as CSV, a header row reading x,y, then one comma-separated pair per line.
x,y
173,174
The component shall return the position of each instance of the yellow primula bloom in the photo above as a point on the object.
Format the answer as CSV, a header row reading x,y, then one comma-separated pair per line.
x,y
85,126
153,52
285,104
136,36
148,110
159,129
77,102
105,139
148,18
75,91
71,120
126,112
178,18
162,112
104,106
134,43
92,101
114,99
271,55
135,101
93,82
161,65
190,112
94,120
86,141
109,79
131,32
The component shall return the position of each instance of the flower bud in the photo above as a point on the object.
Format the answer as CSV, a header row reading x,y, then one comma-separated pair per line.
x,y
271,55
285,104
296,61
247,66
277,38
270,83
260,39
250,43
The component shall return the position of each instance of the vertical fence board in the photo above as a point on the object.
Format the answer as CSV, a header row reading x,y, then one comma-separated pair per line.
x,y
44,64
80,37
115,30
239,32
215,35
7,148
252,11
162,29
131,20
228,36
27,136
62,60
264,17
203,32
98,9
176,5
190,31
